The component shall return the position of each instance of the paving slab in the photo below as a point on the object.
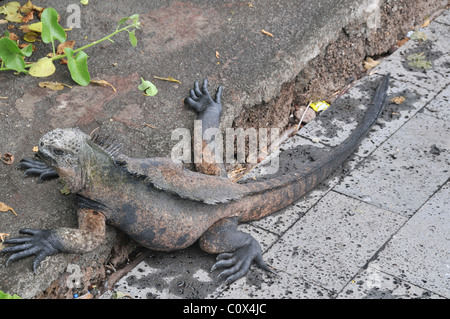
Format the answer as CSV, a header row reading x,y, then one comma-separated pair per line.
x,y
406,170
333,240
434,49
419,252
371,283
439,106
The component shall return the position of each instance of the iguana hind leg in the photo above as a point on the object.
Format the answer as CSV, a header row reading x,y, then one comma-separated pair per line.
x,y
237,250
209,111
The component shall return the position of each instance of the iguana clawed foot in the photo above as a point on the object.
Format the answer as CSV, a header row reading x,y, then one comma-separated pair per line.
x,y
42,243
37,168
239,262
200,99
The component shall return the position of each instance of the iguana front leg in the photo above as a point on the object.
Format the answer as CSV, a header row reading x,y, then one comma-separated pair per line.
x,y
43,243
33,167
209,111
237,250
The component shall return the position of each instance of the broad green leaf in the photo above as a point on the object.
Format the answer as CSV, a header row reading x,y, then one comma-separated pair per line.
x,y
51,30
132,38
42,68
11,55
78,67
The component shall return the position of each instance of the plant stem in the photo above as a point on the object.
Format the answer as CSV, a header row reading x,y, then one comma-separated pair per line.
x,y
79,49
94,43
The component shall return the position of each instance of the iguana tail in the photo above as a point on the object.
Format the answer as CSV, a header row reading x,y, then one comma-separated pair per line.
x,y
268,196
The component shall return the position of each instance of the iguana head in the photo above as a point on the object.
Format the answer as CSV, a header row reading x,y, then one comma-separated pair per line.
x,y
65,151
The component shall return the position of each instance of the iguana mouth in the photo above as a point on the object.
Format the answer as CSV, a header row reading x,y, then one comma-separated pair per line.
x,y
43,157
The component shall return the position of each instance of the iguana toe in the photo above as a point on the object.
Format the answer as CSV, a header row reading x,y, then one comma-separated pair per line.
x,y
238,263
33,167
41,244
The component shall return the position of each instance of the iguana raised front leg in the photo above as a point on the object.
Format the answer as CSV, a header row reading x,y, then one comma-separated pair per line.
x,y
209,111
237,250
33,167
43,243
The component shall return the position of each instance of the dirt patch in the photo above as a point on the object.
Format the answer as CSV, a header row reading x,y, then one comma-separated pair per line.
x,y
340,63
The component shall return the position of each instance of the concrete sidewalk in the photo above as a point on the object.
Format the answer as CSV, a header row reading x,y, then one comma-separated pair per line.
x,y
342,236
382,231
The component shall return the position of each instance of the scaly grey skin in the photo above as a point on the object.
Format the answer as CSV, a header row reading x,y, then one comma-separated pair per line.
x,y
163,206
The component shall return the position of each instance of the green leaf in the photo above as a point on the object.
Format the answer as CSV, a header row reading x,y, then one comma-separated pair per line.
x,y
149,88
28,50
144,85
132,38
11,55
42,68
418,60
51,30
78,67
134,17
36,27
152,90
7,296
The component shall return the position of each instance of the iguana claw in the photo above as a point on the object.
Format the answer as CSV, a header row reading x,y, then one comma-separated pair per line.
x,y
37,168
238,262
42,243
200,99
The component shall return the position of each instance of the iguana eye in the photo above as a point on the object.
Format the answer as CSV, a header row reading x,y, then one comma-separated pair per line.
x,y
58,152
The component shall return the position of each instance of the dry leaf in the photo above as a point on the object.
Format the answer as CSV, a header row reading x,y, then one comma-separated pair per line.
x,y
169,78
30,36
150,125
398,99
5,208
7,158
425,23
28,7
28,17
35,149
402,42
103,83
217,54
55,86
13,36
370,63
267,33
3,235
62,46
24,28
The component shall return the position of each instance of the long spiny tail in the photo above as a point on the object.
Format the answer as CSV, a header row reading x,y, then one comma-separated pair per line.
x,y
271,195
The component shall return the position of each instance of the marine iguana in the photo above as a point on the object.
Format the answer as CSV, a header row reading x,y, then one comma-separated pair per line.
x,y
160,204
